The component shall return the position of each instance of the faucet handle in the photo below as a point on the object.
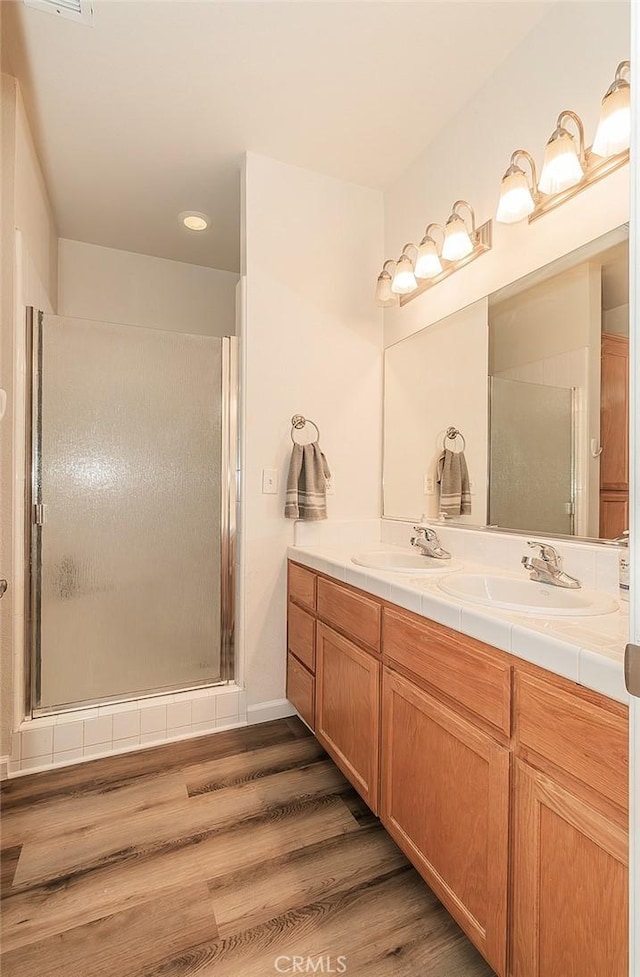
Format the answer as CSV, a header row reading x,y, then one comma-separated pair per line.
x,y
547,552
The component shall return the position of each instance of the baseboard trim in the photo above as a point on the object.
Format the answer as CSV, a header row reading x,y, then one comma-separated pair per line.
x,y
264,712
4,767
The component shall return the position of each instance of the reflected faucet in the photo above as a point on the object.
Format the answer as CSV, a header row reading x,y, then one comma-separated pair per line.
x,y
547,568
426,540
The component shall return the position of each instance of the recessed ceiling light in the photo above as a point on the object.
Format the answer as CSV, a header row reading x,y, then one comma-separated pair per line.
x,y
194,220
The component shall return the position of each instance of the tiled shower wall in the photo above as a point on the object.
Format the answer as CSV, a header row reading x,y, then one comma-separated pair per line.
x,y
84,734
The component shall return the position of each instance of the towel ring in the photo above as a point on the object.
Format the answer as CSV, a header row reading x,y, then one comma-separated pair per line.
x,y
451,434
298,422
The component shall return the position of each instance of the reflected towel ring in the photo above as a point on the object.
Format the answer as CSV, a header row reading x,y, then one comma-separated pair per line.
x,y
451,434
298,422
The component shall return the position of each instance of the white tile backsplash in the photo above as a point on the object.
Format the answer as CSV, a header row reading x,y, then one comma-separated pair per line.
x,y
594,564
335,531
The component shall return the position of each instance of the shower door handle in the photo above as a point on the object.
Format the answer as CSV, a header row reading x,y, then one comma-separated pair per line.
x,y
3,587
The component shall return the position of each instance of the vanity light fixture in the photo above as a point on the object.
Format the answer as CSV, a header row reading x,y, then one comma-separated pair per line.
x,y
410,277
428,263
613,134
384,296
458,242
568,167
563,165
517,194
404,279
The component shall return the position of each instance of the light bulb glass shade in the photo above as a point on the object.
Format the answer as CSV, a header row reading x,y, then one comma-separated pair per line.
x,y
457,243
428,263
613,134
384,295
562,167
404,279
516,200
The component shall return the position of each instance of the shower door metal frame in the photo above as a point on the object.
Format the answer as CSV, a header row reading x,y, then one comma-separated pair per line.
x,y
35,518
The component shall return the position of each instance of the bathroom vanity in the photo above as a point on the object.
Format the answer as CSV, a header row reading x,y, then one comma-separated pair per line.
x,y
504,783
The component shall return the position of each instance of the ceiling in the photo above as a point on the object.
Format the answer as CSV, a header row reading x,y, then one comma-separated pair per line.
x,y
148,112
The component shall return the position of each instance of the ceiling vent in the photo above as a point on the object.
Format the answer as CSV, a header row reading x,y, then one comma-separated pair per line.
x,y
79,10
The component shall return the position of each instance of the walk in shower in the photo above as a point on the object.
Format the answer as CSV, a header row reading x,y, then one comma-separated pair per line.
x,y
131,545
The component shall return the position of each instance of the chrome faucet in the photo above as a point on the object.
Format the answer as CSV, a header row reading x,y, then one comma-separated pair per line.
x,y
547,568
426,540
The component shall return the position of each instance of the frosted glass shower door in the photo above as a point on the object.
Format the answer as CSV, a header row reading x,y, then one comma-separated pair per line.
x,y
531,482
128,445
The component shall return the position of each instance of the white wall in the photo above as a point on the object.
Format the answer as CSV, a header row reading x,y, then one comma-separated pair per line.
x,y
109,285
29,277
312,345
567,61
433,380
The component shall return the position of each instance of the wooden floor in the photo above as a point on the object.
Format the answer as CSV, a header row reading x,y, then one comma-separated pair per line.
x,y
226,856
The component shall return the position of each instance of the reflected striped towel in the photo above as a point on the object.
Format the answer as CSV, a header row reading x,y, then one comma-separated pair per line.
x,y
307,483
453,479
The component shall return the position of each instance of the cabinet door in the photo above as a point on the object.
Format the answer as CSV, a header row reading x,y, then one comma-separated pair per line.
x,y
614,413
348,710
570,884
445,800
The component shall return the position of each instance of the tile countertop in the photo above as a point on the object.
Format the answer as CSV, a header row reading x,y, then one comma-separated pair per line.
x,y
588,650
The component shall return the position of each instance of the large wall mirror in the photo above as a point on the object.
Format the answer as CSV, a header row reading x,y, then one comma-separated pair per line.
x,y
535,379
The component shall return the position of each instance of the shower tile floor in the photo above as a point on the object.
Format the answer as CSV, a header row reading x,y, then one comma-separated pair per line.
x,y
241,854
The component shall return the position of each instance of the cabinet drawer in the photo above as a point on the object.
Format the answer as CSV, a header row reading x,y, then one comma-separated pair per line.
x,y
301,690
468,671
352,613
301,636
577,731
302,586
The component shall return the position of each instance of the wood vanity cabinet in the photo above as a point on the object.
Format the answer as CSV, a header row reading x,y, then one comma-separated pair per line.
x,y
445,801
504,784
570,838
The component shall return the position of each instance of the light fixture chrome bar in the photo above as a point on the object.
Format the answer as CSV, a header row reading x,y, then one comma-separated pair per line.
x,y
596,169
482,242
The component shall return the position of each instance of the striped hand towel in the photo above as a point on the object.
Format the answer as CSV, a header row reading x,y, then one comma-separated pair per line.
x,y
307,483
453,479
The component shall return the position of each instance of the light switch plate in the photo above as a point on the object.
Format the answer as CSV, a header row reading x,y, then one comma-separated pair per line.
x,y
269,481
429,485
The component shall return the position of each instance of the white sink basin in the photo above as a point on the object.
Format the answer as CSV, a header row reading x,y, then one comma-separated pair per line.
x,y
526,596
404,561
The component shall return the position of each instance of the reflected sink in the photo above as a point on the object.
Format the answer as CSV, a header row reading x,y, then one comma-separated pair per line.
x,y
526,596
404,561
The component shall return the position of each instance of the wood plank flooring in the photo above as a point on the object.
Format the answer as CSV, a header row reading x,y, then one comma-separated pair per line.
x,y
225,856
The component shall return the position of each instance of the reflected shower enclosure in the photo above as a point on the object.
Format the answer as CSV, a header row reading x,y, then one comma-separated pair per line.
x,y
532,456
132,485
